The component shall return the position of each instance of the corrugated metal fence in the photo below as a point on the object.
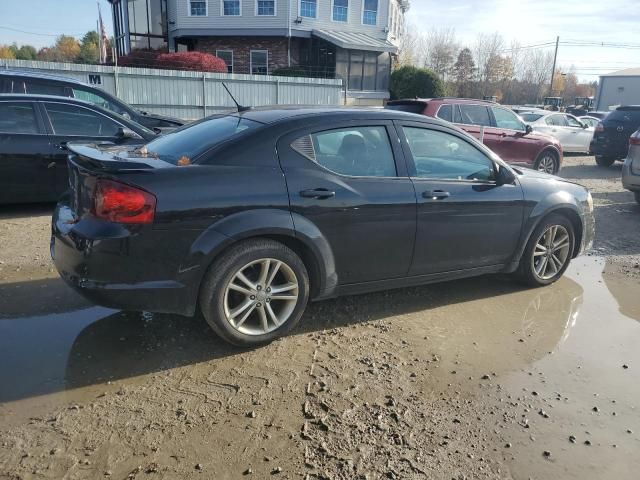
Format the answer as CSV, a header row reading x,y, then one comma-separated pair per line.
x,y
192,95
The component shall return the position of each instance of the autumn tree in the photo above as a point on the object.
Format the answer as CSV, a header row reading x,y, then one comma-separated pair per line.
x,y
464,71
441,48
6,52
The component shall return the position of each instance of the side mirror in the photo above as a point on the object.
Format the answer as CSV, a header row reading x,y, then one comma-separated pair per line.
x,y
504,176
126,133
584,125
528,129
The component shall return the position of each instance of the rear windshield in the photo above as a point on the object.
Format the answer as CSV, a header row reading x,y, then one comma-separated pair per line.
x,y
183,145
530,117
412,107
624,116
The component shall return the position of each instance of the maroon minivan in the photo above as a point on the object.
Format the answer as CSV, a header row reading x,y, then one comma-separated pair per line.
x,y
504,132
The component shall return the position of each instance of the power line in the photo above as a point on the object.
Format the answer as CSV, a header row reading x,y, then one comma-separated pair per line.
x,y
32,33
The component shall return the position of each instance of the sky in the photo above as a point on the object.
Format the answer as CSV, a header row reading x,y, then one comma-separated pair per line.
x,y
531,22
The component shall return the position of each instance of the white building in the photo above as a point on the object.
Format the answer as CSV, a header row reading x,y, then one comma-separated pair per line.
x,y
350,39
618,88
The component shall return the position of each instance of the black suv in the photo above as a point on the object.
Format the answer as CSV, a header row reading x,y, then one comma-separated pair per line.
x,y
611,138
17,81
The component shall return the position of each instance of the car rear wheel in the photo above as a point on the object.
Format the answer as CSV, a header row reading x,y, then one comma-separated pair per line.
x,y
547,162
604,161
548,251
255,293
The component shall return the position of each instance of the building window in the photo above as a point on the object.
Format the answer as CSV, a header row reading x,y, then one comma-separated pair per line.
x,y
370,12
259,62
340,10
231,8
266,7
197,8
308,8
227,56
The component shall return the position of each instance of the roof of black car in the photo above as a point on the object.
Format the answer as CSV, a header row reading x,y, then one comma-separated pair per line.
x,y
40,75
39,97
281,113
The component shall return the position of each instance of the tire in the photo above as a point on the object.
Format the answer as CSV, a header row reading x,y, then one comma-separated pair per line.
x,y
219,301
637,197
604,161
547,162
528,270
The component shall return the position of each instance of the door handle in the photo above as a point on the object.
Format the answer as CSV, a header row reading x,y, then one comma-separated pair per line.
x,y
318,193
435,194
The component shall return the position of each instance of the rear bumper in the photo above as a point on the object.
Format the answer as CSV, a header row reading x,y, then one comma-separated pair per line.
x,y
607,148
96,259
630,180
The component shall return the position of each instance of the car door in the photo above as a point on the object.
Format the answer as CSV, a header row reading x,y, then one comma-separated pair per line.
x,y
556,125
25,168
68,122
513,144
580,136
349,180
466,219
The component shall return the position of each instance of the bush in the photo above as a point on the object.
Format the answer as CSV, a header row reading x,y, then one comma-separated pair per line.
x,y
200,61
413,82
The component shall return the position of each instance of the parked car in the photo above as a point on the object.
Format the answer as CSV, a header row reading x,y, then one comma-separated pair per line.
x,y
530,117
504,132
574,136
599,115
589,121
611,138
20,81
34,131
631,167
250,215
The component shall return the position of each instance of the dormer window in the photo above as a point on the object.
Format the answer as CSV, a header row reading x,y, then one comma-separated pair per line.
x,y
340,10
309,8
197,8
231,8
266,8
370,12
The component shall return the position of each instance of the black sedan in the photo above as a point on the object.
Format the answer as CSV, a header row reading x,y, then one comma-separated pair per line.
x,y
248,216
34,131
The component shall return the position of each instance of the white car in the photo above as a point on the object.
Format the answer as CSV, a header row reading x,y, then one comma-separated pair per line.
x,y
574,136
589,121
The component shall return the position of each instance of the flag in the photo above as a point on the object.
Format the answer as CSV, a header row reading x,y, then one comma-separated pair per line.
x,y
104,40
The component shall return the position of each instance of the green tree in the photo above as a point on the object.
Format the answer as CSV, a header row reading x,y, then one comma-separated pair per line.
x,y
25,52
464,71
89,48
6,52
413,82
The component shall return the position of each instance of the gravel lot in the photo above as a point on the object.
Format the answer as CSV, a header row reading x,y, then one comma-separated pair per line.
x,y
469,379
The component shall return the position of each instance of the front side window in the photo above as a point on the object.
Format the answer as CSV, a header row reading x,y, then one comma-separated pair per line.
x,y
18,117
370,12
79,121
308,8
572,121
506,119
556,121
340,10
227,56
353,151
231,8
259,62
198,8
267,7
475,115
440,155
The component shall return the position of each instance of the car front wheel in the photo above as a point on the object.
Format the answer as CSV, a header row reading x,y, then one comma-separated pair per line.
x,y
547,162
548,251
604,161
255,292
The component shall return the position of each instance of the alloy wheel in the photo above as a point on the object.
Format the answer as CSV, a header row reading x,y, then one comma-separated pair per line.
x,y
261,296
547,164
551,252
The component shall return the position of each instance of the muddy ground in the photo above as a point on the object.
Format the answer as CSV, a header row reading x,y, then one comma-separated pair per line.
x,y
470,379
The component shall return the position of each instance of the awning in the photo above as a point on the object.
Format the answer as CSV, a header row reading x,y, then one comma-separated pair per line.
x,y
355,41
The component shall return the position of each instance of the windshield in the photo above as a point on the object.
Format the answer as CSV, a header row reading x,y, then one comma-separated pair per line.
x,y
530,117
183,146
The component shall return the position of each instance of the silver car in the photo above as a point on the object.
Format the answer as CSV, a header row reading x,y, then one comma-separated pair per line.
x,y
631,167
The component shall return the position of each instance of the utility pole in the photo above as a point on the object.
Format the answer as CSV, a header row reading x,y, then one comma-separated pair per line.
x,y
553,70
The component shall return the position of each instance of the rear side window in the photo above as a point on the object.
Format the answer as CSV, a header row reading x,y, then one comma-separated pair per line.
x,y
354,151
410,107
183,145
18,117
530,117
42,88
475,115
97,99
79,121
507,119
445,113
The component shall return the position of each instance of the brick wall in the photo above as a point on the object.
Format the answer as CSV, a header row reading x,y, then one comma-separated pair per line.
x,y
242,46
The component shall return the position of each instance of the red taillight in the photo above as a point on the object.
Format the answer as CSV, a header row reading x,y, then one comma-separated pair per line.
x,y
599,127
121,203
635,139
